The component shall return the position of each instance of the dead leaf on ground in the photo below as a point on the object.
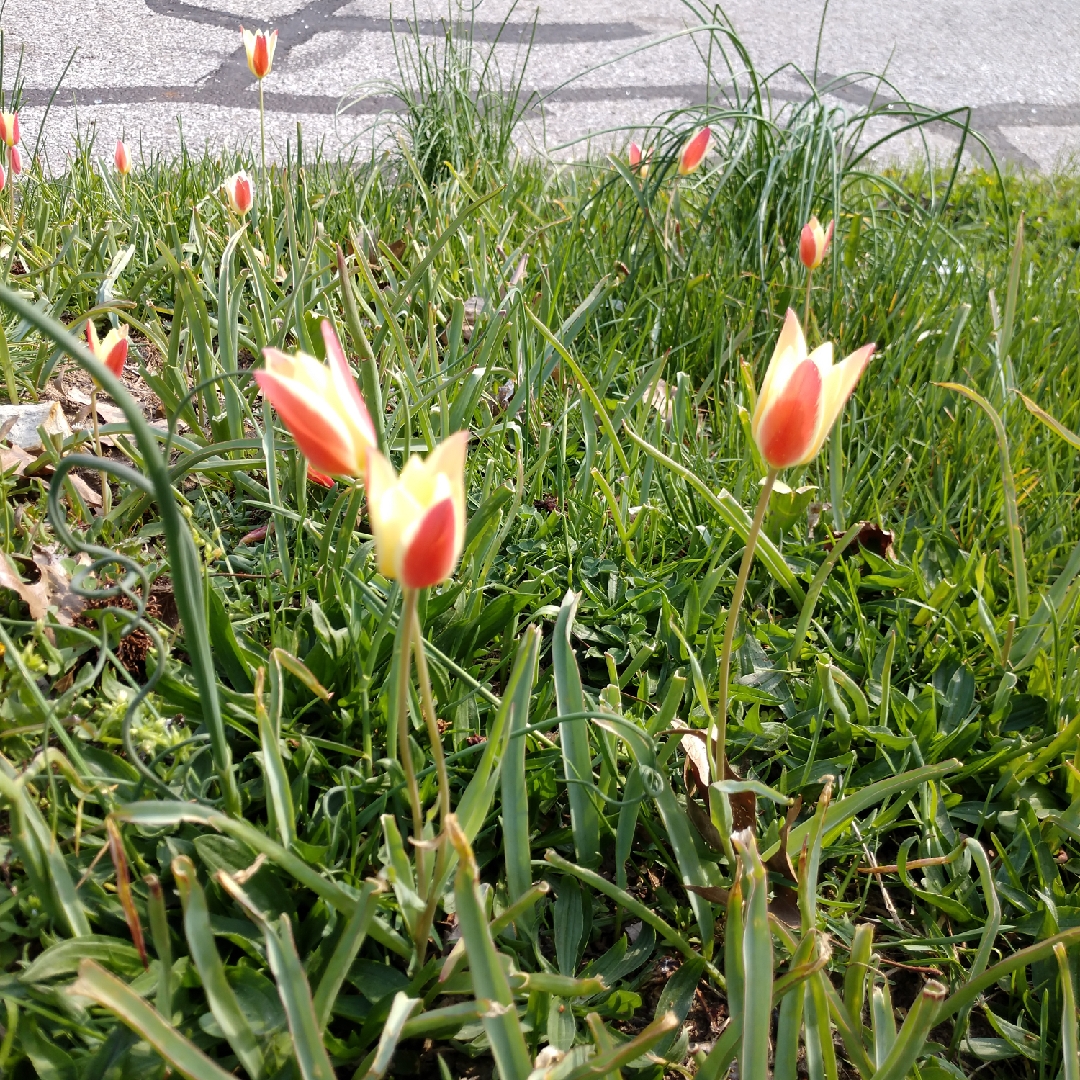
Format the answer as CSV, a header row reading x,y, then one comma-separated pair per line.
x,y
695,777
871,537
785,901
13,462
51,590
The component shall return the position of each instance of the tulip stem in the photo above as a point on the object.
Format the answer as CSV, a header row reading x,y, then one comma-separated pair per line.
x,y
405,629
427,704
732,620
806,302
262,134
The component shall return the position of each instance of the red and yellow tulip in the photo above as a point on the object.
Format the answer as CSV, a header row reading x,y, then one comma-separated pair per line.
x,y
121,158
259,47
321,406
693,153
814,243
239,192
639,161
113,350
418,518
9,128
801,397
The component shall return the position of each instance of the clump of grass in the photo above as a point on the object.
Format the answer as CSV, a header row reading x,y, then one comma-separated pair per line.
x,y
458,108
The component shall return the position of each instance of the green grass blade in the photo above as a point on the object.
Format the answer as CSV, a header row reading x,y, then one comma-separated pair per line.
x,y
574,738
292,985
345,951
515,801
488,975
757,956
219,994
401,1008
187,1059
912,1037
1012,515
1070,1043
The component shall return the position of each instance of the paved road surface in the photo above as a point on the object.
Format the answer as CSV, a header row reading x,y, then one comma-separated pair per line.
x,y
140,64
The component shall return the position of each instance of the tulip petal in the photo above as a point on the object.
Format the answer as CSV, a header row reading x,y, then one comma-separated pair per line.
x,y
839,384
321,436
431,551
693,153
790,423
347,391
790,351
808,248
116,357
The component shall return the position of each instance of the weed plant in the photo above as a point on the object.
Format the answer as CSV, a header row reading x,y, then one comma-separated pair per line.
x,y
205,813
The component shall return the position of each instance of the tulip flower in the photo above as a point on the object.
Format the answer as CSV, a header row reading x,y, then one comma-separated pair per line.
x,y
260,57
238,190
259,47
418,518
113,350
639,161
693,153
9,128
3,178
801,397
319,478
121,158
321,406
814,242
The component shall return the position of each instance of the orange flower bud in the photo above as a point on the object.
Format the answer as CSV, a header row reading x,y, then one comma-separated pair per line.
x,y
814,242
239,191
693,153
121,158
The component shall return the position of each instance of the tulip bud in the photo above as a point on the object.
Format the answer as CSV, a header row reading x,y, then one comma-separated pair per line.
x,y
239,191
16,161
801,396
319,478
113,350
259,47
321,406
814,242
121,158
3,178
9,128
693,153
418,518
639,161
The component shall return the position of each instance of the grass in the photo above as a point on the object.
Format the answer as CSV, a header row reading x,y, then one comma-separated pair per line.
x,y
226,845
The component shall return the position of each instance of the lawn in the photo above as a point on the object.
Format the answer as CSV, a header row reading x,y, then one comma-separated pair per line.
x,y
270,809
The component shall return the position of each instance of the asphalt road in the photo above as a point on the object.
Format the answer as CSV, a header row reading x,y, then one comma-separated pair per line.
x,y
157,71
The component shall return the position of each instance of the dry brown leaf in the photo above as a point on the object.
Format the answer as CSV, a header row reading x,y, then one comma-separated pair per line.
x,y
695,777
51,590
13,462
84,490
